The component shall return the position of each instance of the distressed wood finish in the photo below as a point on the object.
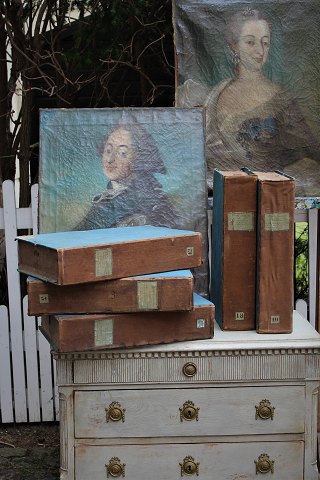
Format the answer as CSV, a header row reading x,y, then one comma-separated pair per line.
x,y
169,291
157,413
237,373
275,253
69,333
233,273
220,461
66,258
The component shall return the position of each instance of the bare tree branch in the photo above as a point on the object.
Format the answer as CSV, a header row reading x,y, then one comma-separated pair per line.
x,y
99,57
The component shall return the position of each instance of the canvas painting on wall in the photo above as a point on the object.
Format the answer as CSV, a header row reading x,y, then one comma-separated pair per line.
x,y
254,66
102,168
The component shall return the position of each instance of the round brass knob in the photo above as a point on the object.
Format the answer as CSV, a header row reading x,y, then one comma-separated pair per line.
x,y
115,412
189,412
189,466
115,468
264,410
264,464
189,369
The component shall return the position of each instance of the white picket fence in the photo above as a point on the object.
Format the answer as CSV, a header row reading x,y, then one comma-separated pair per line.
x,y
27,371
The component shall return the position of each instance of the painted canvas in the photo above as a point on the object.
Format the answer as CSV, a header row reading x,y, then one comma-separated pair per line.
x,y
102,168
254,66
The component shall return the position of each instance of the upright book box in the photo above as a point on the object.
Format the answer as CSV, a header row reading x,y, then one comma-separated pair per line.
x,y
233,265
275,252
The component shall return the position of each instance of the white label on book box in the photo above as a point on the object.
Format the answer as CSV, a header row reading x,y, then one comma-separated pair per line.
x,y
277,222
201,322
43,298
103,332
190,251
147,293
103,259
239,316
275,319
241,221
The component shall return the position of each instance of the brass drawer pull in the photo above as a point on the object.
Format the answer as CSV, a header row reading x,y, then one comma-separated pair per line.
x,y
115,468
115,412
189,466
264,410
189,369
264,464
189,412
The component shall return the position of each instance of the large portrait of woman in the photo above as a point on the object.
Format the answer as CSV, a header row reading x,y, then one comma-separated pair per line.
x,y
102,168
254,66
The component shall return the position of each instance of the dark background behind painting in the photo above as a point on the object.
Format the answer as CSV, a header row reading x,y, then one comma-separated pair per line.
x,y
294,57
122,81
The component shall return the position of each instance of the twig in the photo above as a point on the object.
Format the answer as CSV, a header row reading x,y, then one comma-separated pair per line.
x,y
149,45
8,444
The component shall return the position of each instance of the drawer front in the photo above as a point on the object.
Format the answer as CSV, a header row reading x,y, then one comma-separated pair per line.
x,y
266,460
189,412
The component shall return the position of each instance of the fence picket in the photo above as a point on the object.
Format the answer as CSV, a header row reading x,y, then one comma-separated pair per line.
x,y
6,403
313,255
34,208
30,343
46,381
15,317
30,356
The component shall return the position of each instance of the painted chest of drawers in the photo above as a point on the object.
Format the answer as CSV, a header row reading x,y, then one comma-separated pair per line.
x,y
239,406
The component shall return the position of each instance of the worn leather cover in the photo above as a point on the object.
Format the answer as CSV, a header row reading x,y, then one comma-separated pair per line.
x,y
234,249
167,291
75,333
66,258
275,253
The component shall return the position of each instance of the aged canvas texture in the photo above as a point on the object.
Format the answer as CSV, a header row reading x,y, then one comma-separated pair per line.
x,y
102,168
254,66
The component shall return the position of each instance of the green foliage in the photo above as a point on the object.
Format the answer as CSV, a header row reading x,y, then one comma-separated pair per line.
x,y
301,261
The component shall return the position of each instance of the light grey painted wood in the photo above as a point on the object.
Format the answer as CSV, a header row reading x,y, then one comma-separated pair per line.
x,y
21,398
14,293
311,412
216,461
6,402
234,374
31,355
152,413
313,254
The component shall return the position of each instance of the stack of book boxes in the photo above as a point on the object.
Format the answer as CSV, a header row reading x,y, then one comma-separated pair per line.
x,y
116,287
253,250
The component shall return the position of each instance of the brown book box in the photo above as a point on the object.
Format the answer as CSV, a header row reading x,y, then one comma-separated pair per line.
x,y
275,252
167,291
70,333
66,258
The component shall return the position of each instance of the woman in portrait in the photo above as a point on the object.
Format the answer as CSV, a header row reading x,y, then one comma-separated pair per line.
x,y
133,194
251,121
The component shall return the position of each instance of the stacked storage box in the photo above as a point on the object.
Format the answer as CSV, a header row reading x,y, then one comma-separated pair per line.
x,y
253,250
115,287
